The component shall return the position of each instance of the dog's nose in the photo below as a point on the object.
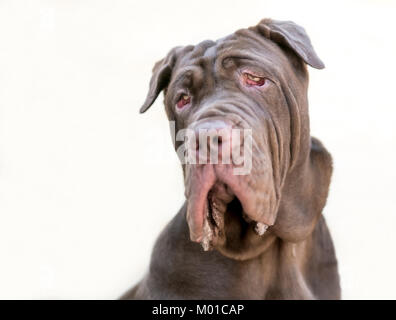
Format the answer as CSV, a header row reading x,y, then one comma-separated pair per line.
x,y
213,141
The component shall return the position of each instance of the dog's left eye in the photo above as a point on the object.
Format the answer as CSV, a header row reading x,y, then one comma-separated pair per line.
x,y
253,80
183,100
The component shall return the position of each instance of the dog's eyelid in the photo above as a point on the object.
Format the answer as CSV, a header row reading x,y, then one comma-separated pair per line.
x,y
255,71
180,93
253,75
259,73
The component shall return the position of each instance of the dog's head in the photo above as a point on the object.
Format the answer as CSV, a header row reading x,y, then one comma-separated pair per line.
x,y
243,99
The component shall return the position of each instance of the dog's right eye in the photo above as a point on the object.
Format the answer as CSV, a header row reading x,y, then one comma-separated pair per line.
x,y
183,100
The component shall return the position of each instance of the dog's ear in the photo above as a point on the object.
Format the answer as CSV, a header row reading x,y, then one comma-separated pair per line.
x,y
160,78
292,36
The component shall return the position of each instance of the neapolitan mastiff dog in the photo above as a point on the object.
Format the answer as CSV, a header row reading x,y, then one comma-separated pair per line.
x,y
266,229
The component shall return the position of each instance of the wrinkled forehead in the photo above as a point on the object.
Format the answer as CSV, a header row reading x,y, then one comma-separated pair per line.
x,y
243,44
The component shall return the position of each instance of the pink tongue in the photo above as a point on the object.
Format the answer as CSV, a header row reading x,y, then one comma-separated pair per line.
x,y
201,179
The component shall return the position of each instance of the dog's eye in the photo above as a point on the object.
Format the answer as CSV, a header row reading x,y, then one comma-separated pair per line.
x,y
183,100
253,80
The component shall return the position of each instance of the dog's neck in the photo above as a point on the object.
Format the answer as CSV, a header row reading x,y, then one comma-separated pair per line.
x,y
283,265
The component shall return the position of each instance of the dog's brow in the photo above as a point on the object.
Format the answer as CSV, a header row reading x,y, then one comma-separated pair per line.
x,y
235,57
238,57
183,76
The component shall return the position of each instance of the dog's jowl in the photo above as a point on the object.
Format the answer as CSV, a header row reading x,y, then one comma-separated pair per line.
x,y
255,180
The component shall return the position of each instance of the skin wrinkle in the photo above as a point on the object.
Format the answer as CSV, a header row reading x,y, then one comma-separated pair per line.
x,y
276,148
294,129
286,189
249,182
280,151
275,163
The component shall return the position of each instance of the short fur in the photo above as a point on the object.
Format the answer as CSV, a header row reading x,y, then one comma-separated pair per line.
x,y
295,259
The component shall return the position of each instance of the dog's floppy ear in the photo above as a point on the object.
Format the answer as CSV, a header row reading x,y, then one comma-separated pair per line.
x,y
162,72
291,35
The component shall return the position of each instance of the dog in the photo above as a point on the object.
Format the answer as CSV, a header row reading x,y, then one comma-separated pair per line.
x,y
259,234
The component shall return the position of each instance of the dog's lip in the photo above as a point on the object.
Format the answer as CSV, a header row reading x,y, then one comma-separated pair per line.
x,y
197,198
204,180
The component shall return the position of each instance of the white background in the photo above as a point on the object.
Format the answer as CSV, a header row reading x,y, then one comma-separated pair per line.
x,y
86,183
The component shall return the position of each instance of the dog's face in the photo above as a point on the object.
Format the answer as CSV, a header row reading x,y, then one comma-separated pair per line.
x,y
254,83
